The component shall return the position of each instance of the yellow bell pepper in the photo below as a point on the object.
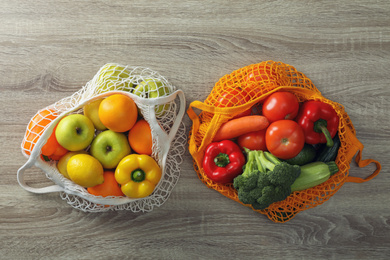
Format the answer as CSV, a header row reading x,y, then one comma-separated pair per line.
x,y
138,175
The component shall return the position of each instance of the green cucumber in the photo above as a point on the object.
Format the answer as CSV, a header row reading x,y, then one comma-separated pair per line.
x,y
329,153
313,174
306,155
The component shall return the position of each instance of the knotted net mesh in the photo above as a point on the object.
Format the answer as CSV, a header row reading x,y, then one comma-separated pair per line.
x,y
149,90
253,84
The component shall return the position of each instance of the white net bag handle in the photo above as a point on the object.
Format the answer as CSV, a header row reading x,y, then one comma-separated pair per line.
x,y
160,134
34,160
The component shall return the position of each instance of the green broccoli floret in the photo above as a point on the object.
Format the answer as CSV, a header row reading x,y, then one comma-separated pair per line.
x,y
265,179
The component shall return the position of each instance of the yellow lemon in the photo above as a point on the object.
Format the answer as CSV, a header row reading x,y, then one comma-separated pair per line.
x,y
85,170
91,110
63,162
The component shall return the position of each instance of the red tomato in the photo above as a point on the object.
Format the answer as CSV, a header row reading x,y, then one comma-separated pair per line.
x,y
234,98
261,72
284,139
253,140
280,105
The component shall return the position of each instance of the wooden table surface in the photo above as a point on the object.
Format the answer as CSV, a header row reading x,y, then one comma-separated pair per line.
x,y
50,49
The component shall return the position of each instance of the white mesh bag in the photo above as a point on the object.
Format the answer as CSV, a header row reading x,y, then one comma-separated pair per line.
x,y
161,105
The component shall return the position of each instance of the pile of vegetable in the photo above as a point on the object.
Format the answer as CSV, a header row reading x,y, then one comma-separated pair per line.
x,y
281,147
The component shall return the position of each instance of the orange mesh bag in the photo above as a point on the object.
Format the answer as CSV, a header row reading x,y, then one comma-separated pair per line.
x,y
253,84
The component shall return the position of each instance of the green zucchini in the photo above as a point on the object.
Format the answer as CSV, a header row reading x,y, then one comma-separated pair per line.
x,y
329,153
313,174
306,155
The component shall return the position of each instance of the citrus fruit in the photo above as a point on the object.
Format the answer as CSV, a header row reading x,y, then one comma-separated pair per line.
x,y
85,170
91,110
58,153
118,113
62,163
36,127
52,149
140,137
109,187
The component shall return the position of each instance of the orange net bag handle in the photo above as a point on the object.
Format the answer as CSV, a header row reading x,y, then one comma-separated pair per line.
x,y
219,113
358,147
193,149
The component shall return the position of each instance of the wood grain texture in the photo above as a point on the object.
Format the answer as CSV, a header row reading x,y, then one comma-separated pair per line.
x,y
49,49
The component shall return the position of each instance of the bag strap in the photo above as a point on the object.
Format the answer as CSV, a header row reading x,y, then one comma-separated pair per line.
x,y
197,152
25,186
34,160
162,135
358,147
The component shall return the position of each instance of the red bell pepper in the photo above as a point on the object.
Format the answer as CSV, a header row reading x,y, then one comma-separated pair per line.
x,y
319,122
223,161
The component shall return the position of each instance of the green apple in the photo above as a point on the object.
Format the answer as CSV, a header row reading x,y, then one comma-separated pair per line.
x,y
61,164
150,88
111,77
91,110
75,132
109,148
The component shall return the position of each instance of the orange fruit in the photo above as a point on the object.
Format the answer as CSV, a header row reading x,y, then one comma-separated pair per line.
x,y
140,138
259,75
50,146
52,149
58,153
118,113
36,127
109,187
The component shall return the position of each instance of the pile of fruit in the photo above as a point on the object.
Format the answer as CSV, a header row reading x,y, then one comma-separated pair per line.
x,y
269,152
107,149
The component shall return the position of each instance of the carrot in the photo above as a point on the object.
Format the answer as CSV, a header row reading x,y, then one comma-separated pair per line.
x,y
239,126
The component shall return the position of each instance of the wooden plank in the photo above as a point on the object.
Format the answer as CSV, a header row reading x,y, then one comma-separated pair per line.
x,y
49,50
